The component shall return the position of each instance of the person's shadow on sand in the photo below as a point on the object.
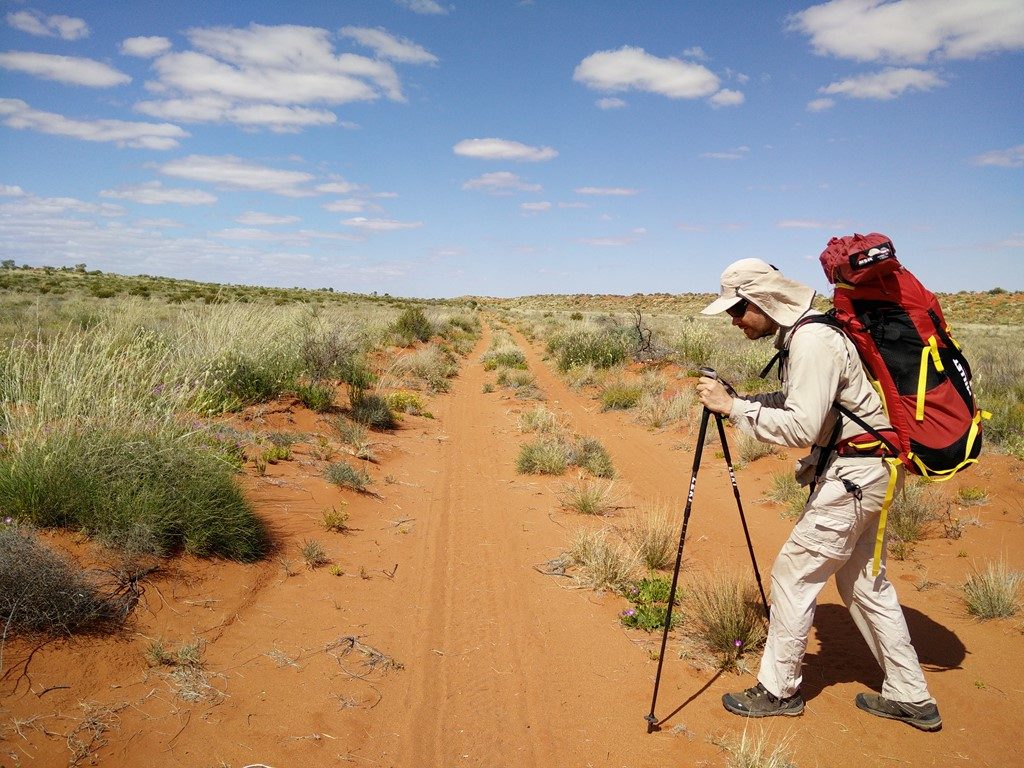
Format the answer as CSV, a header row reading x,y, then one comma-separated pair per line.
x,y
844,657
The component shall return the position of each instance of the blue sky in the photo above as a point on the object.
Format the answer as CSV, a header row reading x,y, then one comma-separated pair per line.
x,y
430,148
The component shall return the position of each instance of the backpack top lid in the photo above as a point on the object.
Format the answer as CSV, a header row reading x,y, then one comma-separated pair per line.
x,y
857,258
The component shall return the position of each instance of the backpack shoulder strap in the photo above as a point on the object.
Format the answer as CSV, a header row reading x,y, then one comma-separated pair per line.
x,y
827,318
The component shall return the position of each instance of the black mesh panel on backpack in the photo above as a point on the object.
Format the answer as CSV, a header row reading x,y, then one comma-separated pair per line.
x,y
898,342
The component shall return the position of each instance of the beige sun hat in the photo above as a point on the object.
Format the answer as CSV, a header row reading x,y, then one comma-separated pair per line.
x,y
757,281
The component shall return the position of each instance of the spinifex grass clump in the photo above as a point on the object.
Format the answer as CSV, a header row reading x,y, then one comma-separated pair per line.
x,y
602,349
911,514
235,381
601,564
652,532
723,612
994,592
347,476
552,455
143,493
587,497
41,592
789,493
650,604
619,395
315,395
412,325
504,357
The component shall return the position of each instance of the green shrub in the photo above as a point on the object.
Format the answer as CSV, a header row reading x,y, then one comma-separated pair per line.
x,y
589,454
620,396
993,593
234,382
412,325
602,349
724,613
314,554
789,493
911,514
544,456
137,492
42,592
347,476
316,396
374,412
504,358
650,604
406,402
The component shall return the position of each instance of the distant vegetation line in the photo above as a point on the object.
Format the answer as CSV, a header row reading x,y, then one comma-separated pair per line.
x,y
996,306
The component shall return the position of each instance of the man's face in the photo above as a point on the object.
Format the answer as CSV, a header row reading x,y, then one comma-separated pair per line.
x,y
754,323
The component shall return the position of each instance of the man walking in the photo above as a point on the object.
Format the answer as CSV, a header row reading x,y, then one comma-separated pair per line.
x,y
835,535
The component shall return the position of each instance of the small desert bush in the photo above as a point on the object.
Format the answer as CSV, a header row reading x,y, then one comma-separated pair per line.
x,y
505,357
749,751
589,454
513,378
601,563
649,596
355,435
404,401
345,475
750,449
910,517
42,592
335,520
373,411
544,456
789,493
970,495
140,493
314,554
656,411
993,593
587,497
724,613
235,381
539,420
433,364
652,533
412,325
618,395
601,349
316,396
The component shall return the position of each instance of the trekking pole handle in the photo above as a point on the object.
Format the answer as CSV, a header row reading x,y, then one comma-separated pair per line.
x,y
711,373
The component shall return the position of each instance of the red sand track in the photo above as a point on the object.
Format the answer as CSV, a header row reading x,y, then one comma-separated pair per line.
x,y
499,664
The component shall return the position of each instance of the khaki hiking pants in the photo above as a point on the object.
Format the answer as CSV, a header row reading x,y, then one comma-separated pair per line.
x,y
836,536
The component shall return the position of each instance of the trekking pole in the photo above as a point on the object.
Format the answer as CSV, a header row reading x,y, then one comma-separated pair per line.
x,y
711,373
743,519
652,720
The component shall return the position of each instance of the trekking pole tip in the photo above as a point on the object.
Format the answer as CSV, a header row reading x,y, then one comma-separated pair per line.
x,y
652,722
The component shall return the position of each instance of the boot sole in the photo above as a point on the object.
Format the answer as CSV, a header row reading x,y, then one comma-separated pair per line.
x,y
747,713
921,725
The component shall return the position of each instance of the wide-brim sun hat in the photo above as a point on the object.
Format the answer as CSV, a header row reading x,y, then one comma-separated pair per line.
x,y
757,281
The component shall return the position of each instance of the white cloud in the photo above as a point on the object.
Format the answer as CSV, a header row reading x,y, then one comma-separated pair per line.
x,y
696,52
1002,158
738,153
387,46
631,68
607,191
884,85
232,172
10,190
15,113
610,102
258,219
500,183
338,187
535,207
30,205
426,7
380,225
503,149
912,30
70,70
35,23
727,98
350,205
145,47
155,193
615,242
820,105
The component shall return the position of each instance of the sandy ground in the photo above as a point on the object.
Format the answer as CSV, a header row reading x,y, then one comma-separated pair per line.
x,y
435,640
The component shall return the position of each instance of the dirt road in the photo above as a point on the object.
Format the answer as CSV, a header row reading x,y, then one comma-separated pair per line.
x,y
434,642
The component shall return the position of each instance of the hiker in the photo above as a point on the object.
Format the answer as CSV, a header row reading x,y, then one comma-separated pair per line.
x,y
836,532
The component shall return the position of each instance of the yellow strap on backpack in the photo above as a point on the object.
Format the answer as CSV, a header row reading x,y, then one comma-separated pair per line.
x,y
930,349
894,473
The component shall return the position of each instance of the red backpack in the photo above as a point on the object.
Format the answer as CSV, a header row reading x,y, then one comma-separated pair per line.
x,y
920,372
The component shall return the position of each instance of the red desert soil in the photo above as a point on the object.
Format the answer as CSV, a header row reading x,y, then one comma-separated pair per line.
x,y
436,641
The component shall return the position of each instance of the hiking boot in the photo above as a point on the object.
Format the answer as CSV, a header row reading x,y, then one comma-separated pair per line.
x,y
923,716
758,702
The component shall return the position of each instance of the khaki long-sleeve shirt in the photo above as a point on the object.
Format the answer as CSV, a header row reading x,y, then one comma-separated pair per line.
x,y
823,367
